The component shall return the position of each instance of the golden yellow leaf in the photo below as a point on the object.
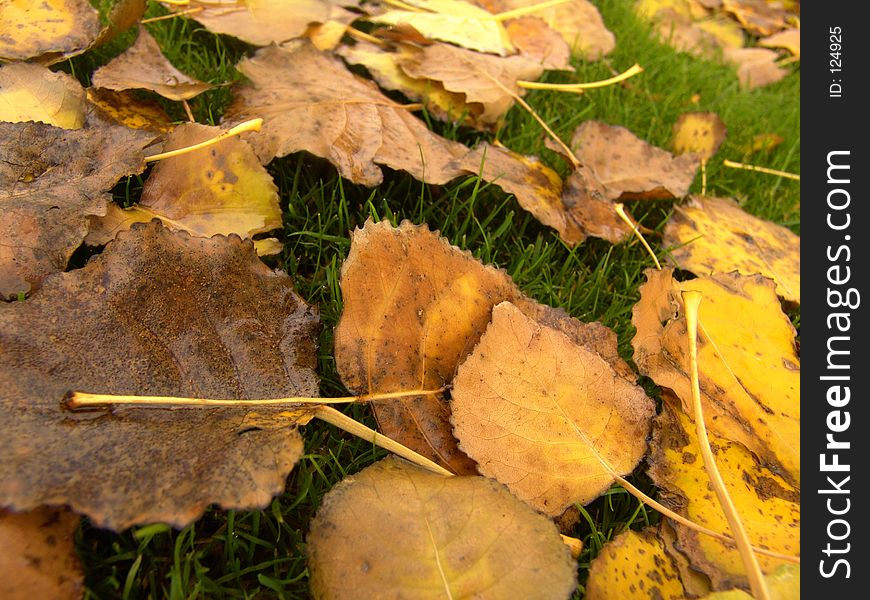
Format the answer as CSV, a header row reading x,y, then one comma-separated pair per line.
x,y
784,583
34,93
548,418
698,132
748,366
694,582
725,30
715,235
763,142
218,190
128,110
49,29
790,39
143,66
634,566
327,35
395,529
768,505
756,67
758,17
453,21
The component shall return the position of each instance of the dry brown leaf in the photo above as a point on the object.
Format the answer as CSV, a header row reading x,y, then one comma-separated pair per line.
x,y
482,78
585,198
51,179
124,108
698,132
416,534
327,35
34,93
630,168
790,39
756,67
311,102
768,506
694,582
715,235
143,66
727,32
685,35
122,16
748,367
758,17
548,418
222,189
157,313
38,557
634,566
49,31
540,43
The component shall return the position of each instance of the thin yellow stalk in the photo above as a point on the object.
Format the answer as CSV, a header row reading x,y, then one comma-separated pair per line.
x,y
181,13
703,176
405,6
252,125
691,301
188,111
580,87
527,10
745,167
620,210
365,37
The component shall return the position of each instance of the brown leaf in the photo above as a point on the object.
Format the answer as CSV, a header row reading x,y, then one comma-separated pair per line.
x,y
222,189
585,198
790,39
49,31
122,16
758,17
748,366
395,527
715,235
38,557
51,179
539,43
546,417
34,93
630,168
683,34
698,132
483,78
756,67
143,66
157,313
311,102
124,108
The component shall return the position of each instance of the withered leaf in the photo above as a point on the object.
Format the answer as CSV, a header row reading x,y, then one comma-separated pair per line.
x,y
698,132
758,17
38,557
756,67
327,35
769,507
634,566
34,93
157,313
484,79
124,108
585,199
783,583
748,367
540,43
790,39
222,189
51,179
630,168
716,235
50,30
395,527
143,66
548,418
311,102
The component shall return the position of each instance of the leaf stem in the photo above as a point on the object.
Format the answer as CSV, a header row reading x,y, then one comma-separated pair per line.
x,y
580,87
172,15
691,301
620,210
527,10
745,167
252,125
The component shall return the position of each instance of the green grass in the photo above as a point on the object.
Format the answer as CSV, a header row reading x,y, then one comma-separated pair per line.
x,y
261,553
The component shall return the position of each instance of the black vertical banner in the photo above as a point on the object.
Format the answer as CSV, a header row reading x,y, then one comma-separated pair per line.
x,y
835,360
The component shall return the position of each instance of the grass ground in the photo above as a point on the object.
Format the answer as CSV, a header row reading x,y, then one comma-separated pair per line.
x,y
261,553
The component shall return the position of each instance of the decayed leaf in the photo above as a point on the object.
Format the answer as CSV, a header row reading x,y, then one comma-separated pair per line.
x,y
51,179
685,35
725,30
748,367
327,35
50,30
452,21
311,102
694,582
384,67
122,16
484,79
578,21
260,22
585,198
715,235
763,142
548,418
38,557
634,566
222,189
126,109
758,17
33,93
535,40
630,168
395,527
756,67
790,39
784,583
157,313
699,132
768,506
143,66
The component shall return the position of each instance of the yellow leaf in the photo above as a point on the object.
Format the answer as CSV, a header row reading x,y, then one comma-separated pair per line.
x,y
50,29
394,529
729,33
749,368
34,93
699,132
784,583
634,566
547,417
790,39
130,111
717,236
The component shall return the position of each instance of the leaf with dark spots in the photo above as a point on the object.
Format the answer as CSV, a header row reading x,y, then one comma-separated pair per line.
x,y
48,30
157,313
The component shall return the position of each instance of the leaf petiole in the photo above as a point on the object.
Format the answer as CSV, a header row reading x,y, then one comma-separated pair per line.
x,y
580,87
251,125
